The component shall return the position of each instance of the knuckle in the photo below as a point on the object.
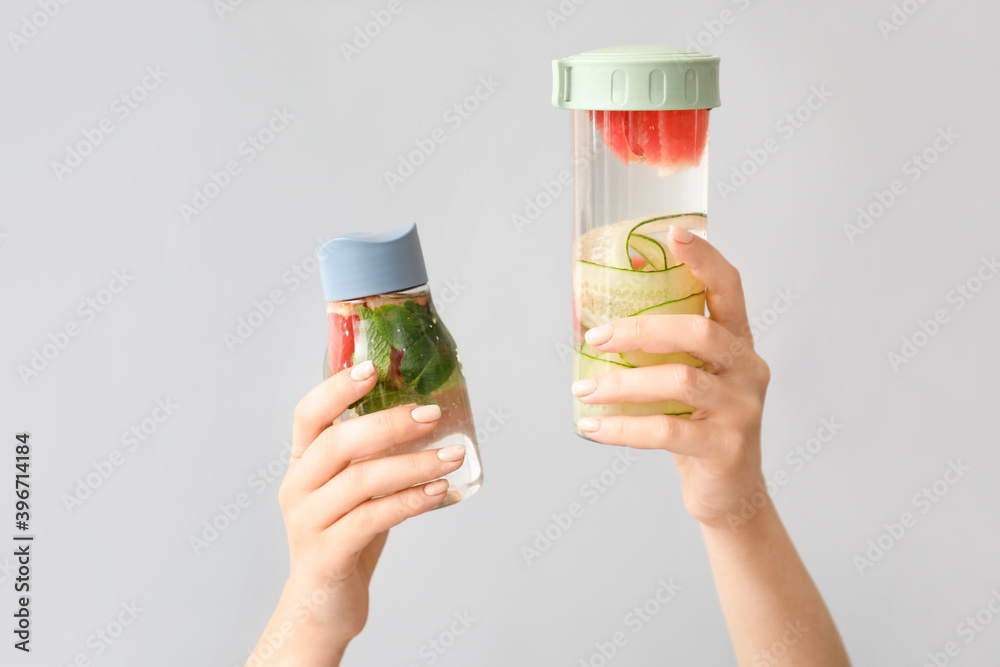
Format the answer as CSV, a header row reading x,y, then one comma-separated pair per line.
x,y
284,495
384,422
764,372
299,414
409,503
640,326
355,475
735,277
685,376
701,327
363,516
610,382
664,429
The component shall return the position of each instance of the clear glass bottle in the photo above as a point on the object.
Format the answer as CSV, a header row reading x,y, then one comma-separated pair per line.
x,y
395,325
640,163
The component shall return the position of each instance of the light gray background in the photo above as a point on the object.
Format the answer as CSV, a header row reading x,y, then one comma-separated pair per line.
x,y
162,337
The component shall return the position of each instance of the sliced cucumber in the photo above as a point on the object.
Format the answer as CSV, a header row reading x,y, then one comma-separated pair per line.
x,y
648,228
650,250
605,293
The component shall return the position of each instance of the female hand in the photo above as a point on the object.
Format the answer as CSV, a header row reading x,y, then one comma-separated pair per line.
x,y
338,509
717,450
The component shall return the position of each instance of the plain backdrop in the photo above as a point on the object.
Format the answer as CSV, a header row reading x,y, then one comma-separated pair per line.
x,y
894,77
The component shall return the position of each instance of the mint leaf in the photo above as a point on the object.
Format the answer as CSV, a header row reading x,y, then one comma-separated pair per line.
x,y
403,327
379,348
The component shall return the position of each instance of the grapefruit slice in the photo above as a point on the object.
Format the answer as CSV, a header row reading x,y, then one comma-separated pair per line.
x,y
671,140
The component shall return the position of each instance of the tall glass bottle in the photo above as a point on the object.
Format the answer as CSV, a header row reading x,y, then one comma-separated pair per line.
x,y
379,308
640,155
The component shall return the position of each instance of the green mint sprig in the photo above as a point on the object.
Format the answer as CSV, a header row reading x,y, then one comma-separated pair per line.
x,y
428,354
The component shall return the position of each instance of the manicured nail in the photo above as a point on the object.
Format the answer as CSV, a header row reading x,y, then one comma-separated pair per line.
x,y
363,371
584,386
436,488
426,413
600,335
589,424
451,452
680,234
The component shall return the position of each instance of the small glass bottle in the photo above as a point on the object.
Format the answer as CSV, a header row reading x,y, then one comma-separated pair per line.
x,y
640,164
379,308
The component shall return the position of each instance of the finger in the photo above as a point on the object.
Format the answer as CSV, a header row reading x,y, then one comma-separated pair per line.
x,y
380,477
327,401
362,524
668,382
343,442
724,292
665,334
674,434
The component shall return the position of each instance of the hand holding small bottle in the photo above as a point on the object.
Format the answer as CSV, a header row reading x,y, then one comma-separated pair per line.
x,y
338,506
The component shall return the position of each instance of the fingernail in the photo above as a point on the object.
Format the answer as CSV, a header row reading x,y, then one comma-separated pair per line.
x,y
599,335
584,386
426,413
363,371
588,424
451,452
680,234
436,487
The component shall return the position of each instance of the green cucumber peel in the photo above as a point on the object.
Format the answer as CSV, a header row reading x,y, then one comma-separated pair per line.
x,y
632,232
660,305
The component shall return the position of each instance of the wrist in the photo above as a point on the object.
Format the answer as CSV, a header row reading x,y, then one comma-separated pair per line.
x,y
745,502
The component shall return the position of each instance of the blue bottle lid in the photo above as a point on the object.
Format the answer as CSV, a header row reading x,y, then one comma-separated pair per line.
x,y
359,264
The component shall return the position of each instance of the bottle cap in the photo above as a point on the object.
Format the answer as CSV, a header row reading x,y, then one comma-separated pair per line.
x,y
359,264
636,78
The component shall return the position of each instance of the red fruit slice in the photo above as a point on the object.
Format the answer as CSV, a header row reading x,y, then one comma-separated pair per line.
x,y
671,140
341,342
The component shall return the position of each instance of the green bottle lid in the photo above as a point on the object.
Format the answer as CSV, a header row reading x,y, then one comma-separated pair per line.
x,y
636,78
